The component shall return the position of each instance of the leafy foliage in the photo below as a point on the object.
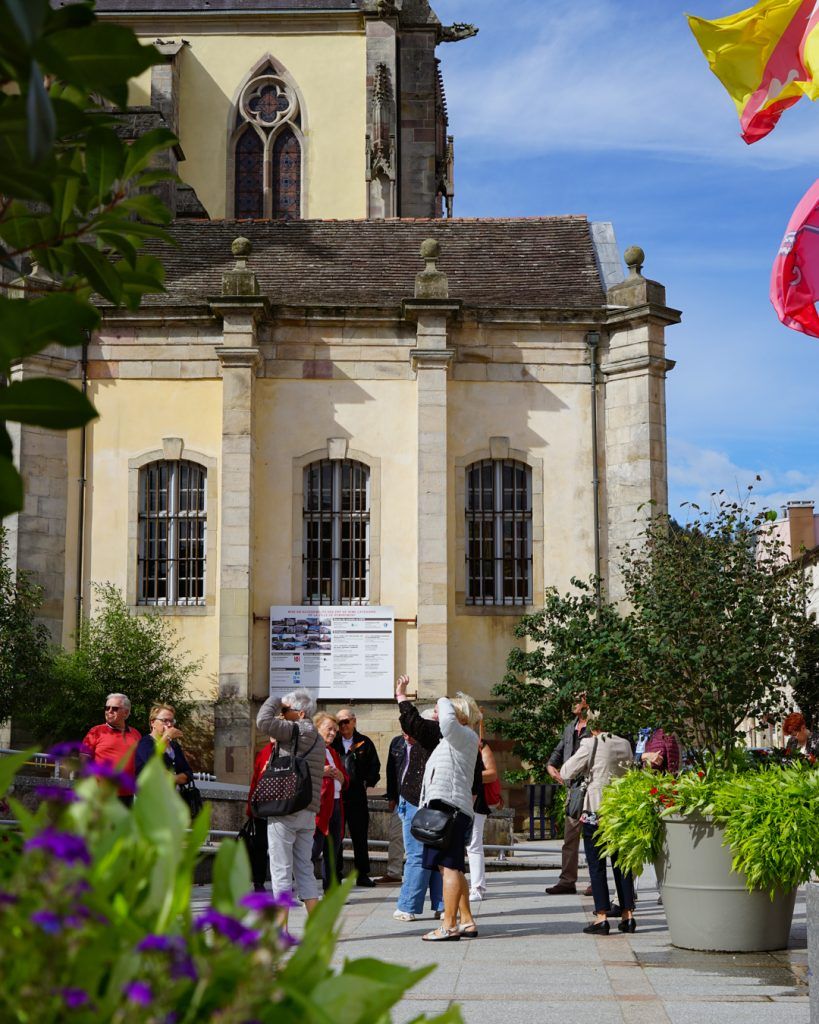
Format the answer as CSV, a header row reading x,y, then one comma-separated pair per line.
x,y
24,644
74,200
709,638
97,924
805,679
770,817
118,652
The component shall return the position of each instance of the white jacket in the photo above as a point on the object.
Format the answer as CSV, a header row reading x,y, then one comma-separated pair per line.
x,y
612,759
450,769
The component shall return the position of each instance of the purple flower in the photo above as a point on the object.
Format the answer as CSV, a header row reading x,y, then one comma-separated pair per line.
x,y
74,997
47,920
68,749
286,940
95,769
184,967
138,992
232,929
8,899
261,901
157,944
64,846
56,794
78,918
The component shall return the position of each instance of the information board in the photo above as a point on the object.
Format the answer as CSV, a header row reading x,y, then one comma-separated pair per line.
x,y
344,652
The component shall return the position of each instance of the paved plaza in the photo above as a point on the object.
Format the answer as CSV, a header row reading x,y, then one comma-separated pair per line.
x,y
533,965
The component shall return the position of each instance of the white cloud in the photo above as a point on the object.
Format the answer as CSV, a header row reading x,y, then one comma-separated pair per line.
x,y
695,473
599,76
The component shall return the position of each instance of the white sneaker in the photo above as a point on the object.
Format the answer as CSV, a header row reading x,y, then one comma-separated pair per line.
x,y
475,895
403,915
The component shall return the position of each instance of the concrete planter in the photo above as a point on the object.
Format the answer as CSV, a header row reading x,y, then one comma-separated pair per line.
x,y
813,948
707,905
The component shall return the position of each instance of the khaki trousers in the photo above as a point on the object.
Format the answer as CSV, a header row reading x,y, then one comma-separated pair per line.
x,y
571,851
395,851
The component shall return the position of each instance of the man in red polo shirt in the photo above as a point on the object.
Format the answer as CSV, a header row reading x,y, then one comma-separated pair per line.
x,y
111,743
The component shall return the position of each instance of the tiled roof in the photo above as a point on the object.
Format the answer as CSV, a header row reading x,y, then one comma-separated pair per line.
x,y
544,262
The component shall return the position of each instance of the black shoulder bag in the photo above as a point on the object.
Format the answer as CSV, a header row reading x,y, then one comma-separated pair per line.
x,y
433,826
577,794
285,786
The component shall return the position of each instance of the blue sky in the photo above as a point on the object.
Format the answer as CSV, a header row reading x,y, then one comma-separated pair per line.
x,y
608,108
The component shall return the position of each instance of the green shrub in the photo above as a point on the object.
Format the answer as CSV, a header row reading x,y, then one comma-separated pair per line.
x,y
96,924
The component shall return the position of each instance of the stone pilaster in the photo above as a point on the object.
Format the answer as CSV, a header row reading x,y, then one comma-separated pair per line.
x,y
634,371
431,309
165,98
240,309
36,535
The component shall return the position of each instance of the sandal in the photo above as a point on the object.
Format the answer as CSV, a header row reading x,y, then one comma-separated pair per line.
x,y
468,931
442,935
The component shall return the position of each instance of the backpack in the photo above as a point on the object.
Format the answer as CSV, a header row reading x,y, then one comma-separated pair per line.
x,y
285,786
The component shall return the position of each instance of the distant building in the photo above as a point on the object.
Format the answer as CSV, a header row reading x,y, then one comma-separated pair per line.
x,y
344,396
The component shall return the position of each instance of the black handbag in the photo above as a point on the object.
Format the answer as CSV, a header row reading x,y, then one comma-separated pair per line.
x,y
285,785
433,826
577,794
189,792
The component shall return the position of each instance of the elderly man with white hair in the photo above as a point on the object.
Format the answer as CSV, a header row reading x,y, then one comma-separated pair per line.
x,y
290,838
114,742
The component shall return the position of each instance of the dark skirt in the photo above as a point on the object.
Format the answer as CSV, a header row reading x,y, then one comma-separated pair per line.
x,y
454,856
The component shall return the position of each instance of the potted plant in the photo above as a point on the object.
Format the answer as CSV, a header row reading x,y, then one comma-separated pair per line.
x,y
711,631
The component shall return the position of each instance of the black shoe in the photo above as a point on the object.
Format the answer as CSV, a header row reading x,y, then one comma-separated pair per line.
x,y
628,924
258,887
615,910
365,882
561,889
600,928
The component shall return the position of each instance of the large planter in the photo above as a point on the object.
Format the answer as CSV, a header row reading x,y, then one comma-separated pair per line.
x,y
707,905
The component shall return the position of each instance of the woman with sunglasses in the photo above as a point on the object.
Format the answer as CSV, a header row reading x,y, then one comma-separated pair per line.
x,y
163,727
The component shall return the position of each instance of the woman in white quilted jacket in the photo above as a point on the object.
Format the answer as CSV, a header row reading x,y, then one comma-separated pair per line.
x,y
448,779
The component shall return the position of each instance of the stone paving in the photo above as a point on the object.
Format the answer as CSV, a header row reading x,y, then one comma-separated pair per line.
x,y
532,963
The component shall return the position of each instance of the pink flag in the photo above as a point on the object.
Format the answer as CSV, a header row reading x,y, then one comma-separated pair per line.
x,y
795,275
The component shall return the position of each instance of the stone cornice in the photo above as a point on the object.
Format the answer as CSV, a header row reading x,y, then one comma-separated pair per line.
x,y
256,306
652,364
237,358
411,309
246,23
638,314
431,358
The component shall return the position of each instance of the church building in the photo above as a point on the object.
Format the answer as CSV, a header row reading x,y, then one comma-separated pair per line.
x,y
347,395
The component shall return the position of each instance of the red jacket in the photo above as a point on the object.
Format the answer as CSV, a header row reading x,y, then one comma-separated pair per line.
x,y
259,766
328,787
110,746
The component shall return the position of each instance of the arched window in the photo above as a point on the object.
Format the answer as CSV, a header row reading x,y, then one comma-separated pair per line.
x,y
171,527
336,517
498,532
267,149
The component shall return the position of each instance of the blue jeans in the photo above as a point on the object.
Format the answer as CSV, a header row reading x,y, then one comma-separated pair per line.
x,y
417,879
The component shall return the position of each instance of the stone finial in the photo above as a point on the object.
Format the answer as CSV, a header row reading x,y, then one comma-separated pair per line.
x,y
431,283
240,280
634,258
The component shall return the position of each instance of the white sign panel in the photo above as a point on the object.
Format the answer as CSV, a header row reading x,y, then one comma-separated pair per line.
x,y
337,652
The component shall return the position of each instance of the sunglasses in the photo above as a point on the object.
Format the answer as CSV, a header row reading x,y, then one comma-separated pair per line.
x,y
114,707
343,721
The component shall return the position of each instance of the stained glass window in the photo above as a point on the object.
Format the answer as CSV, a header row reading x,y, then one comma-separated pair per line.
x,y
249,176
285,170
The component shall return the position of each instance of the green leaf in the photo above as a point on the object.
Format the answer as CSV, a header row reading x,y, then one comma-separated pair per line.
x,y
231,876
45,402
42,125
28,325
147,206
104,157
65,193
143,148
29,17
11,496
12,763
94,266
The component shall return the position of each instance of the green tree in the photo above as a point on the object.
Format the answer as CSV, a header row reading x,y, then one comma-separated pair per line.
x,y
118,652
24,644
74,199
709,636
805,679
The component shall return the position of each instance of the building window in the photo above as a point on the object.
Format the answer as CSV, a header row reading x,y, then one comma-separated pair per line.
x,y
172,533
267,150
336,554
498,533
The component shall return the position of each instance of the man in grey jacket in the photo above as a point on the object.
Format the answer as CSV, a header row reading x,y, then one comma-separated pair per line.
x,y
574,732
290,838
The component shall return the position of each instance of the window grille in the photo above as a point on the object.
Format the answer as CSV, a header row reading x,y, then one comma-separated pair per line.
x,y
336,558
498,533
249,199
172,529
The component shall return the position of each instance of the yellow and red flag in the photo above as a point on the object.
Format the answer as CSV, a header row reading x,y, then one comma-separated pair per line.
x,y
767,57
795,274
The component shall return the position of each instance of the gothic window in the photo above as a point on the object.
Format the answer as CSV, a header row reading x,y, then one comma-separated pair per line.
x,y
267,153
336,518
171,533
498,532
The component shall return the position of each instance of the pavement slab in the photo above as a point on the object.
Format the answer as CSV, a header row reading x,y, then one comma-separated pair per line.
x,y
532,964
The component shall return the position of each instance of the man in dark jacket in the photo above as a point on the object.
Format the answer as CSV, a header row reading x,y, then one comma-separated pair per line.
x,y
574,732
360,759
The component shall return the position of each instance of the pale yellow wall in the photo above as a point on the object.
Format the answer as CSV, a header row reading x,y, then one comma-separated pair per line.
x,y
330,74
134,417
550,422
139,89
296,417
